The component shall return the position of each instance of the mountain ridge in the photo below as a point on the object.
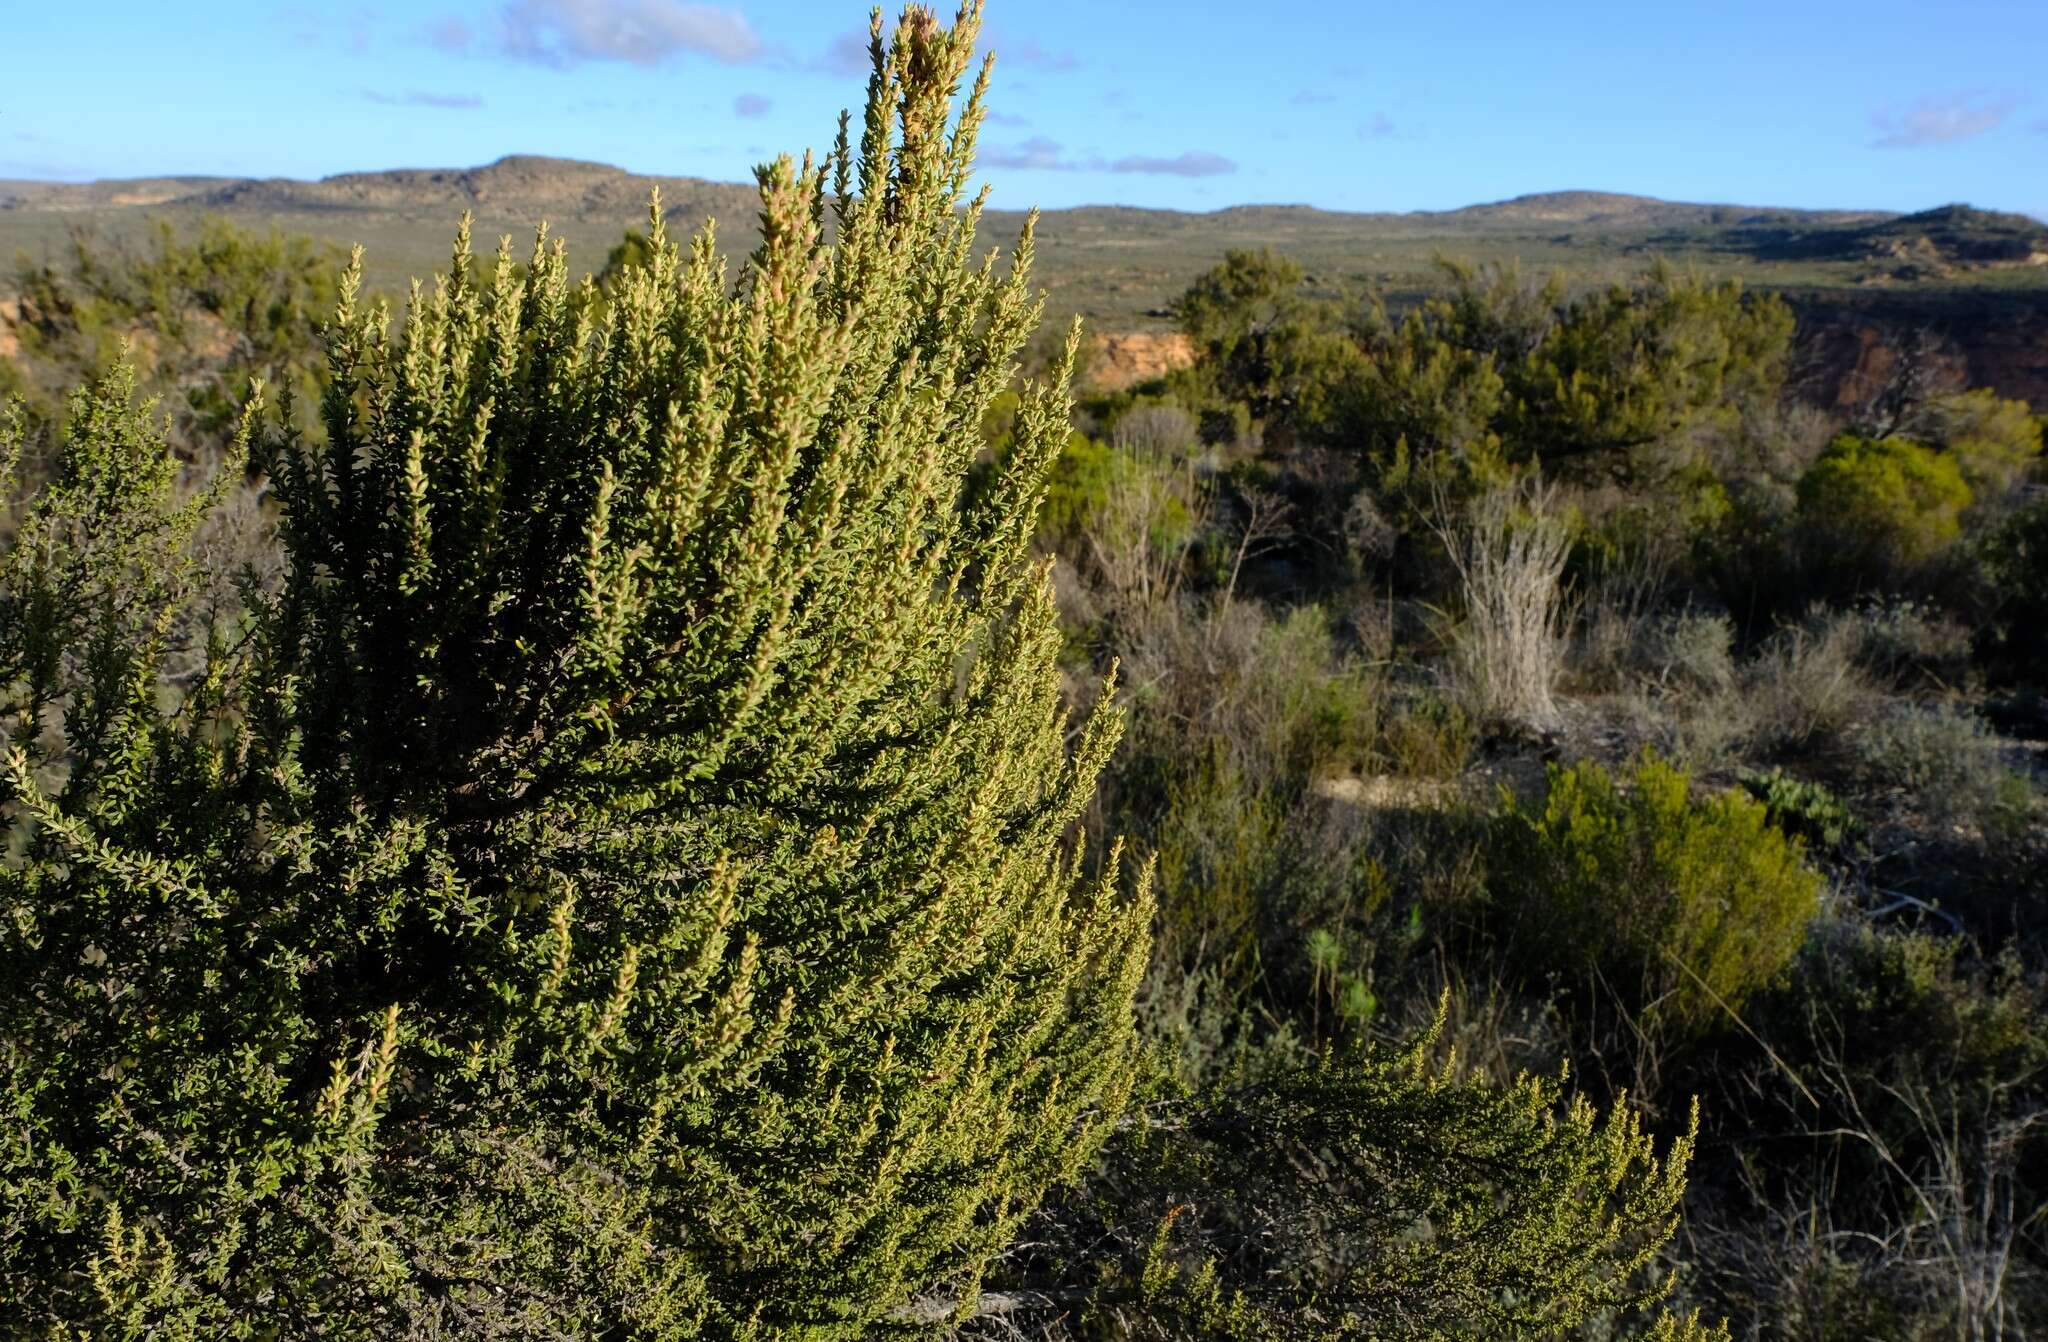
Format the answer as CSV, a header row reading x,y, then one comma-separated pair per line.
x,y
584,185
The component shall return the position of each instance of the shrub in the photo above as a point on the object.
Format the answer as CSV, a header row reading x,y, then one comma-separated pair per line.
x,y
1911,644
201,312
1805,689
1509,555
1874,509
1995,442
620,884
1428,736
1943,757
2015,576
1691,650
1689,907
1375,1195
1804,808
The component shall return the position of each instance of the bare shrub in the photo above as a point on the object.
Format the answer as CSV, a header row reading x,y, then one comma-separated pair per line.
x,y
1160,431
1689,651
1806,689
1943,757
1509,557
1140,535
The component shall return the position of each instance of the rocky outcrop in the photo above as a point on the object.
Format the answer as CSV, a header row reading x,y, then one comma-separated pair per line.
x,y
1851,347
1117,360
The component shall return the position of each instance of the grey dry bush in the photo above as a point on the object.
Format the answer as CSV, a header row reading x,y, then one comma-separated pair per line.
x,y
1941,756
1509,556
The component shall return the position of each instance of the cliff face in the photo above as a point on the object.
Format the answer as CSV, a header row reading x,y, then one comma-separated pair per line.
x,y
1120,360
1851,346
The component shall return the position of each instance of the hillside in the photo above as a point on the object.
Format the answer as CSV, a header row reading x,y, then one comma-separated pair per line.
x,y
1862,279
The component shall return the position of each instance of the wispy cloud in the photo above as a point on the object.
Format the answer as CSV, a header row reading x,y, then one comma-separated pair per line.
x,y
1933,121
1194,163
1312,98
1037,153
450,34
751,105
1016,51
1379,128
1041,154
849,55
452,102
564,33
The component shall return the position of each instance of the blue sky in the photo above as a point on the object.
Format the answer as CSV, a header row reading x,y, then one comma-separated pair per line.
x,y
1365,105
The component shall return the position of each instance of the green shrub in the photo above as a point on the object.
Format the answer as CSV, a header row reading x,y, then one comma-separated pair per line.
x,y
1804,808
199,312
1995,442
1428,736
1879,508
621,883
1688,907
2014,578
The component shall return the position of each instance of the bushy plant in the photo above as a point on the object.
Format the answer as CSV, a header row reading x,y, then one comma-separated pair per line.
x,y
1943,757
1372,1194
1692,650
1805,808
2015,579
1806,689
619,884
1878,510
1911,644
1688,906
198,312
1994,441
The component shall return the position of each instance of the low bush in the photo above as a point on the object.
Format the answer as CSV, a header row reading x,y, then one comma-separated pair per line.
x,y
1684,907
2013,576
1942,757
1910,644
1878,510
1804,808
1806,688
1690,650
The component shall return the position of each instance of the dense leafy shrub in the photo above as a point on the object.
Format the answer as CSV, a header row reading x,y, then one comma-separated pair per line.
x,y
1686,906
1995,442
2015,579
1375,1195
619,885
1879,509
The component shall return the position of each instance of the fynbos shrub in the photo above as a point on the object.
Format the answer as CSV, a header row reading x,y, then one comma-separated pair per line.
x,y
1688,906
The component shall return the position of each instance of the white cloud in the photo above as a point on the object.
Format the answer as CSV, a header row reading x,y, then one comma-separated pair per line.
x,y
563,33
417,98
1934,121
1194,163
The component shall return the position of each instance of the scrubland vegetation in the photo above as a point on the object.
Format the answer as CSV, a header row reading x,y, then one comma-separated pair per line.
x,y
709,804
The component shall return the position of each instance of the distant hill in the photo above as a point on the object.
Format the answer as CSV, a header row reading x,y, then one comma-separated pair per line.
x,y
1863,281
1607,207
1935,243
522,182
